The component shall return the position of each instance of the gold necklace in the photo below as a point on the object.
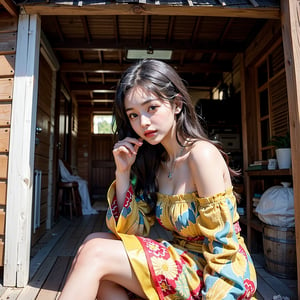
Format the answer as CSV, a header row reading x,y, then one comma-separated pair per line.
x,y
171,170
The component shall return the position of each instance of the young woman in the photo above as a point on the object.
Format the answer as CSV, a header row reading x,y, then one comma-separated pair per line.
x,y
166,168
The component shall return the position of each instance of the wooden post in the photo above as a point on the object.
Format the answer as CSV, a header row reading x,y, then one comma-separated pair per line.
x,y
21,153
290,21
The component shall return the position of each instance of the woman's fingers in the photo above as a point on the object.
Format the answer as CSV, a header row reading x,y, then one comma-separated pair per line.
x,y
128,145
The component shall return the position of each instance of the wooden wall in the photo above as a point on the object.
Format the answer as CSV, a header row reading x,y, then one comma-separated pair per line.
x,y
84,142
42,147
269,34
8,34
102,164
95,160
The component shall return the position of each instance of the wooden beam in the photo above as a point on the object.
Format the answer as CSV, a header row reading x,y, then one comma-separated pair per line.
x,y
117,68
290,33
148,9
10,7
94,87
21,153
111,45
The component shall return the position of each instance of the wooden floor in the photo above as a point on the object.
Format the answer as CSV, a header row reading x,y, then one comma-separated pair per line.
x,y
52,256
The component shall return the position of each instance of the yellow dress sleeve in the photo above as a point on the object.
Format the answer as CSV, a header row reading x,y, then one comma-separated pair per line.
x,y
221,246
134,217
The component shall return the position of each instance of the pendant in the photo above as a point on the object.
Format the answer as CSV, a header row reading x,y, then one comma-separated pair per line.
x,y
170,175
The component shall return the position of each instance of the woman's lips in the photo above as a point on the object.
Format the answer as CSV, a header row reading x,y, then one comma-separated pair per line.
x,y
149,133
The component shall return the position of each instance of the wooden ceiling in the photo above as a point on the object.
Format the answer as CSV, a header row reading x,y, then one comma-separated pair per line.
x,y
91,43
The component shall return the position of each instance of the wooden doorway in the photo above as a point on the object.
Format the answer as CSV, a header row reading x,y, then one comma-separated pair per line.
x,y
102,165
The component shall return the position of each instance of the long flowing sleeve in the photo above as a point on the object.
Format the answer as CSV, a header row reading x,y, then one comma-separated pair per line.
x,y
134,217
224,250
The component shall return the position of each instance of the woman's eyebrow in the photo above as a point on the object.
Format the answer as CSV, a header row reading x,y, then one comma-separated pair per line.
x,y
144,103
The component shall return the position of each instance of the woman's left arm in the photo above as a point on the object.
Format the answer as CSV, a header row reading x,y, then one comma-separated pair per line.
x,y
217,209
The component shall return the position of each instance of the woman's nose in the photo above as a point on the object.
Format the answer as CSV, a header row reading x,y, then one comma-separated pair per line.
x,y
145,120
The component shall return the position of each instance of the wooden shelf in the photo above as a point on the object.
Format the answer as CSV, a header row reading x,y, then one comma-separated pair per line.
x,y
277,172
257,181
256,224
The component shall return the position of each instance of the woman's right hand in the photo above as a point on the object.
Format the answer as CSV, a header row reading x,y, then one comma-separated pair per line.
x,y
124,153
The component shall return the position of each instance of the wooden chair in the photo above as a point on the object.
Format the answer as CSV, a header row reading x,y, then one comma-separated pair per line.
x,y
68,196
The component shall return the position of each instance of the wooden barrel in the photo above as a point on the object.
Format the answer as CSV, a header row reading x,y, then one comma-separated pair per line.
x,y
280,251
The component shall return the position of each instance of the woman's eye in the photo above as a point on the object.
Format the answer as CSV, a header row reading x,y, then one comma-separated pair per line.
x,y
132,116
152,107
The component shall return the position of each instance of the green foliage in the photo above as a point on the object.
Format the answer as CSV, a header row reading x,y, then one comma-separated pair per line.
x,y
281,141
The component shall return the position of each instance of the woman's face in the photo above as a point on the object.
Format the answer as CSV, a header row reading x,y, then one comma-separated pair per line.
x,y
150,117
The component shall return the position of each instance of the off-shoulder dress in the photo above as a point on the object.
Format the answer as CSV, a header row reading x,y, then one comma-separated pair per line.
x,y
206,259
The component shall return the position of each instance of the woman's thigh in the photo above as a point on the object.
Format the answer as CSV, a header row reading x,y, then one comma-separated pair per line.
x,y
108,254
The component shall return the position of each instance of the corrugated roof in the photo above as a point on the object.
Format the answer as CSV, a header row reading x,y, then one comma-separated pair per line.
x,y
216,3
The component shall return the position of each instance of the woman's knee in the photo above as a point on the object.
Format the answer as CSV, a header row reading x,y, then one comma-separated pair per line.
x,y
104,235
93,253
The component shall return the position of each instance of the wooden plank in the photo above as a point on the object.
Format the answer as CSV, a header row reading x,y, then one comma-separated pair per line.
x,y
31,291
269,33
7,43
162,10
5,113
3,166
7,23
54,281
6,88
4,139
2,193
7,63
1,252
2,224
46,245
11,294
11,7
21,151
291,45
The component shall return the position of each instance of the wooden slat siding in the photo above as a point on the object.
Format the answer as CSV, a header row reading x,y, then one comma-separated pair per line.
x,y
270,32
42,147
4,139
8,28
8,43
2,220
5,113
20,169
2,193
84,135
3,167
290,33
6,85
7,63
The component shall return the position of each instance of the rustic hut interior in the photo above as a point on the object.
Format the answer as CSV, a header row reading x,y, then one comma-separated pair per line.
x,y
233,67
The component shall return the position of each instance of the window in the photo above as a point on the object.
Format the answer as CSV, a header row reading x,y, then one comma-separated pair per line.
x,y
102,124
272,106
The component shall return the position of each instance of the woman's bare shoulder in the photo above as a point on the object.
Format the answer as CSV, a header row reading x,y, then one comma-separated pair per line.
x,y
204,150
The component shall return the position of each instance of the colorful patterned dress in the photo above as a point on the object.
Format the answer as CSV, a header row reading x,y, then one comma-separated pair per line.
x,y
207,258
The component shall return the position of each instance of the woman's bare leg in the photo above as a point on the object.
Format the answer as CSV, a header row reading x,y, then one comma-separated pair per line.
x,y
101,258
111,291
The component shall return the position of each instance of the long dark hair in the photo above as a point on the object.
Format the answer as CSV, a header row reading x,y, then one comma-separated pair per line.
x,y
162,80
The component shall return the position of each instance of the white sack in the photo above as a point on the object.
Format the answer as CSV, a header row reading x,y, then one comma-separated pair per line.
x,y
276,206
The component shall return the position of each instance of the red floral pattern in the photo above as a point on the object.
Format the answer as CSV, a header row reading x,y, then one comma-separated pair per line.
x,y
250,290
